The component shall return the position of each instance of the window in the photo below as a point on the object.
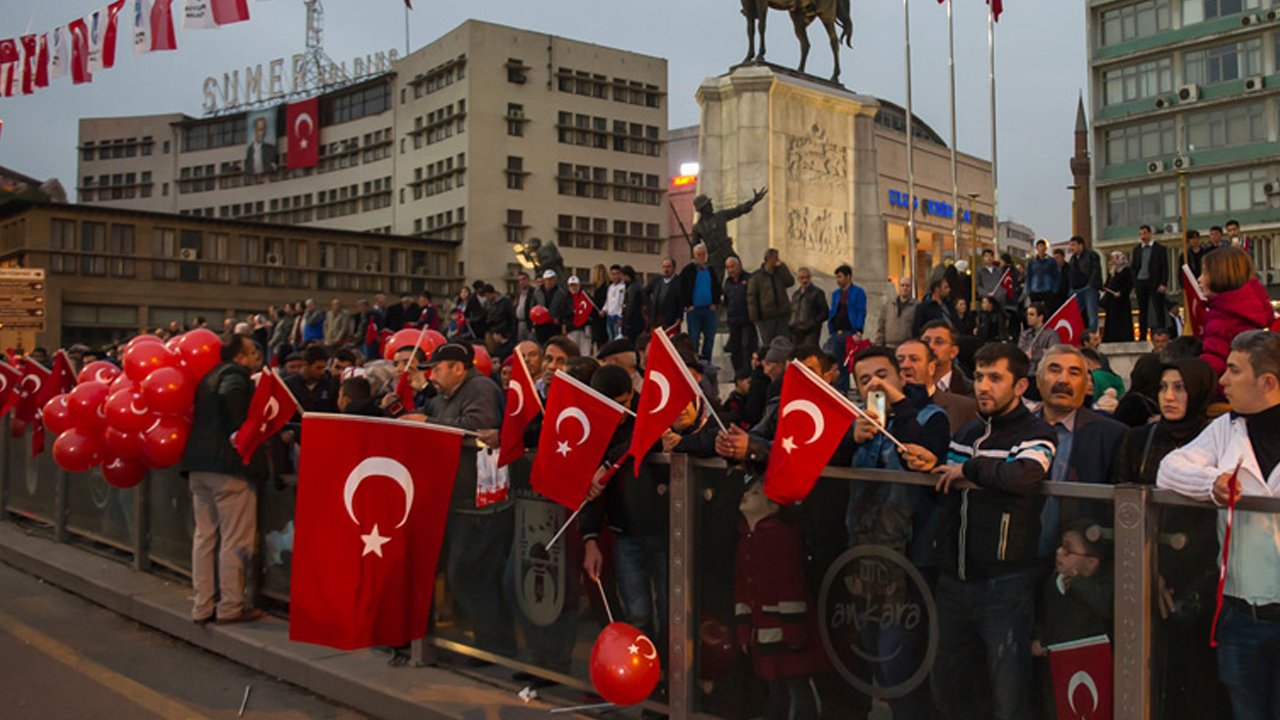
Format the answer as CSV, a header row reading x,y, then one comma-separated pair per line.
x,y
1227,127
1227,192
517,71
62,236
215,253
355,104
1223,62
515,173
1146,141
1137,82
1132,206
1194,11
86,153
93,242
515,120
210,135
121,249
515,226
164,244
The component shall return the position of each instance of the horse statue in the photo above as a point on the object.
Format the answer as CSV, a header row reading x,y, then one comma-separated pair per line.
x,y
803,13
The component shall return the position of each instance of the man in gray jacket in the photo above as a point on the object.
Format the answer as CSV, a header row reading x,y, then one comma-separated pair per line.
x,y
767,301
894,325
477,539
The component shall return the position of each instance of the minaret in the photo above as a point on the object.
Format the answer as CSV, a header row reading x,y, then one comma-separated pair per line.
x,y
1081,170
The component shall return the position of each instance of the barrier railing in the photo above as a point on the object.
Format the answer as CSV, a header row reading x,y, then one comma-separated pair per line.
x,y
869,642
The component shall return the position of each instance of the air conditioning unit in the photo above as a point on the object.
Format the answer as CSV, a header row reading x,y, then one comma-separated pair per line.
x,y
1273,15
1254,84
1189,93
1155,166
1182,162
1171,228
189,254
1162,103
1271,187
370,267
1250,19
274,260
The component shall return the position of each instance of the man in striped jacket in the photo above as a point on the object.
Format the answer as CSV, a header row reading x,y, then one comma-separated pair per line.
x,y
987,545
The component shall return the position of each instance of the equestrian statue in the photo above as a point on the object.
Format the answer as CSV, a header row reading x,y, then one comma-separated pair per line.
x,y
832,13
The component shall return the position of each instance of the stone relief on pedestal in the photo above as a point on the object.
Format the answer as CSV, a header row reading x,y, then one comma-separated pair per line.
x,y
818,230
812,158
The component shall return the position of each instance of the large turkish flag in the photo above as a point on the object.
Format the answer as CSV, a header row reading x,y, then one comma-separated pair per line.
x,y
812,419
668,390
1081,672
576,428
373,498
304,134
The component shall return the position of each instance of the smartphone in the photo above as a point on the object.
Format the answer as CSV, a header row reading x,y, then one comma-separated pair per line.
x,y
876,401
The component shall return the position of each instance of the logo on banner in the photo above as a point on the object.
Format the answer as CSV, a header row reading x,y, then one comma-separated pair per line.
x,y
540,572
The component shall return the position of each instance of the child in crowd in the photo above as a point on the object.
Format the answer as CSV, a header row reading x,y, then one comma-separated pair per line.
x,y
776,625
735,406
355,397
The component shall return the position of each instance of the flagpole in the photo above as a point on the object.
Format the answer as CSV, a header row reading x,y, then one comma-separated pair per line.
x,y
406,30
995,166
911,169
955,182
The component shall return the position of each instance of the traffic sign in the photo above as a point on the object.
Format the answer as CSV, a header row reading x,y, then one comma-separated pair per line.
x,y
22,299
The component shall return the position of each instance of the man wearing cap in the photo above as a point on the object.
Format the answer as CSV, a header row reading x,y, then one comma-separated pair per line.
x,y
580,311
622,352
477,539
666,296
712,228
700,287
772,366
551,296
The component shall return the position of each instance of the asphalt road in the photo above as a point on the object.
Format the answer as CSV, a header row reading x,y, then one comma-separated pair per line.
x,y
62,657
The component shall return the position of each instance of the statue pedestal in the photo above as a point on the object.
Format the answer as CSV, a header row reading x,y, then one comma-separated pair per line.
x,y
814,147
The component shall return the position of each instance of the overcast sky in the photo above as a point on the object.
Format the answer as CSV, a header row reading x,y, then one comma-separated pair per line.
x,y
1040,55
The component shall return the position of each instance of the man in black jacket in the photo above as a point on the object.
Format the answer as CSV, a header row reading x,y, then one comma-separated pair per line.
x,y
500,324
1150,263
1085,273
223,498
314,388
700,289
987,543
742,332
635,307
935,306
665,296
554,298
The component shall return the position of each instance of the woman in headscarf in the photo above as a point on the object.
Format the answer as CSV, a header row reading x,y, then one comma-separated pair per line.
x,y
1186,676
1115,300
1139,403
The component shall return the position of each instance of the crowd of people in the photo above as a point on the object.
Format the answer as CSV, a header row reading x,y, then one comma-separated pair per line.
x,y
990,402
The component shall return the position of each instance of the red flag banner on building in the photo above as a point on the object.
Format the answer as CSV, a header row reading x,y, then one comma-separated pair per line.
x,y
1068,322
373,498
304,133
1195,299
162,37
79,42
35,379
1081,672
523,405
270,410
576,428
226,12
10,380
812,419
668,390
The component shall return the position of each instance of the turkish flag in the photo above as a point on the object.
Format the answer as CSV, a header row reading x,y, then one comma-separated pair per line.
x,y
79,33
63,378
226,12
373,498
577,425
10,379
1195,299
523,405
1081,672
1068,322
304,133
812,419
31,390
582,307
371,332
9,58
42,61
109,34
997,7
1006,282
162,37
668,390
270,410
30,52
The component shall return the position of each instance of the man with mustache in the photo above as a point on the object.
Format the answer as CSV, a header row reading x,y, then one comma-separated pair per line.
x,y
1087,441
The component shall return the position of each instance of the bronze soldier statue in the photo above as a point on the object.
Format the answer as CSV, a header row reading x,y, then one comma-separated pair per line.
x,y
544,257
711,228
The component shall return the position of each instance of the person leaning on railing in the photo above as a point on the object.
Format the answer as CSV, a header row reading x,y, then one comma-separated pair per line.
x,y
1238,454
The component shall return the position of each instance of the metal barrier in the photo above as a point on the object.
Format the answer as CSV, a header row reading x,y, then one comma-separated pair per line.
x,y
553,615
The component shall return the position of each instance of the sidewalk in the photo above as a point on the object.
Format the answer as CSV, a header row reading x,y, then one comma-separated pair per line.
x,y
362,680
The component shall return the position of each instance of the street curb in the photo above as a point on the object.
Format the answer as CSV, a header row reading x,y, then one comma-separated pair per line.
x,y
361,680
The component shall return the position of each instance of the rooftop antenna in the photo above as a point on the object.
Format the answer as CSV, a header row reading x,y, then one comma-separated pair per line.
x,y
319,71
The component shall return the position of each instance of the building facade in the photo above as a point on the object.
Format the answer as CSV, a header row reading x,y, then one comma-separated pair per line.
x,y
490,136
1016,239
114,272
1186,91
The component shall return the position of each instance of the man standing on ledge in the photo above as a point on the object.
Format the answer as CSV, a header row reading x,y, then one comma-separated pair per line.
x,y
712,228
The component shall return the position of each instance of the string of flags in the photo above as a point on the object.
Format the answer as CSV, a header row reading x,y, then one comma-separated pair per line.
x,y
87,45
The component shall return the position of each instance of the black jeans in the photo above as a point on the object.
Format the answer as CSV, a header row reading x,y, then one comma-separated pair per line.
x,y
742,342
1151,310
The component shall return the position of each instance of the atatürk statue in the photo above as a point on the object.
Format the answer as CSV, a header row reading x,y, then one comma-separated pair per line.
x,y
711,228
832,13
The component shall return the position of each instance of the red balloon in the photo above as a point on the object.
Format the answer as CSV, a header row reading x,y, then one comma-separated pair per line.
x,y
164,442
168,392
77,451
86,405
540,315
426,342
127,411
142,339
99,371
123,472
122,443
141,360
201,350
56,415
483,362
122,382
624,664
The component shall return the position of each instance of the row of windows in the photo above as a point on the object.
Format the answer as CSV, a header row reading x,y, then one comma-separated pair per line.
x,y
1205,130
447,225
593,234
440,77
220,133
1216,194
1206,66
355,104
580,82
1149,17
120,148
439,124
589,131
593,182
119,186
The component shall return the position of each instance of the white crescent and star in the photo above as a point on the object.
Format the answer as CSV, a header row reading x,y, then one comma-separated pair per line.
x,y
270,411
575,414
1081,678
808,408
634,649
664,387
133,407
519,391
36,390
378,467
302,137
104,380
